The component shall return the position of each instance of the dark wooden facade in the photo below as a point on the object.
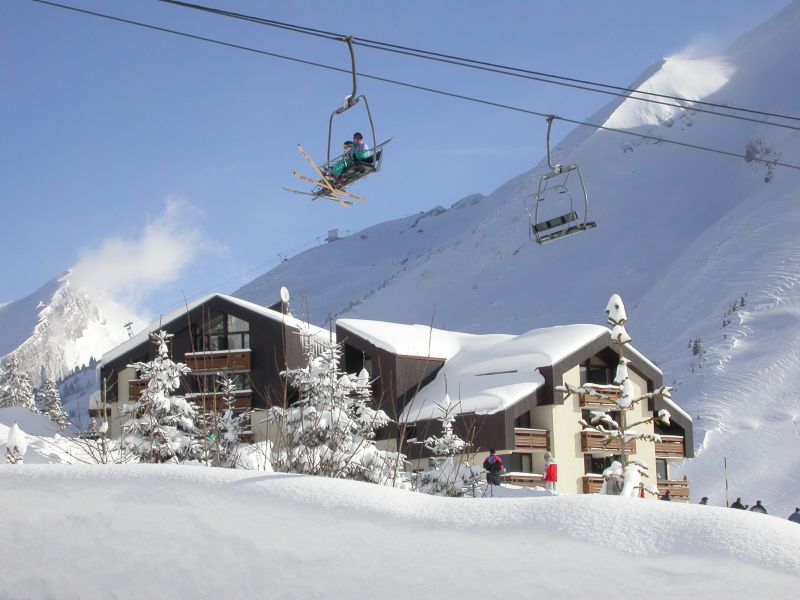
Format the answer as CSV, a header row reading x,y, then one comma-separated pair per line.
x,y
273,345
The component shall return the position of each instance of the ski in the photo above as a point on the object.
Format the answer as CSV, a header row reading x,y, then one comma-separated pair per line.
x,y
317,196
323,190
324,182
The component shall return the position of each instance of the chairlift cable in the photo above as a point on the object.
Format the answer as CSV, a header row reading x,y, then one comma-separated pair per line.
x,y
419,87
539,76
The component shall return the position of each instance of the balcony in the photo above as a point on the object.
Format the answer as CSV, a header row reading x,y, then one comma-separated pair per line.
x,y
610,393
210,402
524,479
678,489
219,360
671,446
535,440
592,484
592,441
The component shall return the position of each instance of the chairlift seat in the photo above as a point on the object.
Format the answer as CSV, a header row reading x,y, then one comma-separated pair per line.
x,y
570,217
560,233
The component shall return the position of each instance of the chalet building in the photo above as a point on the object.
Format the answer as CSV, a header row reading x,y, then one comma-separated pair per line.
x,y
503,388
249,343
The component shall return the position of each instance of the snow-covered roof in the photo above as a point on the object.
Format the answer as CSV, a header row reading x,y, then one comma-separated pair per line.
x,y
482,374
408,340
143,335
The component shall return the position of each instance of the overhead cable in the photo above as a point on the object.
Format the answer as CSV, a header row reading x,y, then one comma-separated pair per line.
x,y
581,84
420,87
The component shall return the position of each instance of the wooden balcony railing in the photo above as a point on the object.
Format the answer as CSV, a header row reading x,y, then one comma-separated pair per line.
x,y
592,441
610,394
531,439
671,446
678,490
219,360
243,400
592,484
524,479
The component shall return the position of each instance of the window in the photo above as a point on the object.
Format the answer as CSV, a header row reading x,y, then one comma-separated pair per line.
x,y
661,469
222,332
597,464
209,382
524,420
518,462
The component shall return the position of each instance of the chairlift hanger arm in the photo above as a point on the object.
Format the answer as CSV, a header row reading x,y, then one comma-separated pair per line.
x,y
351,100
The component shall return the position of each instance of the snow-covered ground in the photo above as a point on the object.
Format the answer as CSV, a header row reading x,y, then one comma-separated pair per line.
x,y
151,531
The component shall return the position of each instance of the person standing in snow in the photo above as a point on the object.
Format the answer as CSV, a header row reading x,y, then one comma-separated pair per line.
x,y
494,467
758,508
704,500
550,472
667,496
738,504
795,516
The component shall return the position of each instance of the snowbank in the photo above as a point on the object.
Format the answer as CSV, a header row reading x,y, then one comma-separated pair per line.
x,y
179,532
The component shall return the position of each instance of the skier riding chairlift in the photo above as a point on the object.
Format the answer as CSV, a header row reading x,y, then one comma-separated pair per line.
x,y
355,170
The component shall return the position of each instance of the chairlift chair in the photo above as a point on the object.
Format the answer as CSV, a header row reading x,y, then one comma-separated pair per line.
x,y
364,167
548,221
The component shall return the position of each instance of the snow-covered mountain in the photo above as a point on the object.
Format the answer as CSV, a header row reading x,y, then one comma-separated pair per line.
x,y
56,329
683,235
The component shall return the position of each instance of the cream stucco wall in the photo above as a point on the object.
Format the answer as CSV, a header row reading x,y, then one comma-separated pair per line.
x,y
565,440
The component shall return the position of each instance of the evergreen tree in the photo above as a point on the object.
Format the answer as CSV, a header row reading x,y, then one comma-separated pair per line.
x,y
161,427
15,386
623,477
50,401
224,429
330,430
16,445
449,471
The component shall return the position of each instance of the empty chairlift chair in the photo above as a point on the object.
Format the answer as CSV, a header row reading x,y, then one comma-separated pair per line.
x,y
555,214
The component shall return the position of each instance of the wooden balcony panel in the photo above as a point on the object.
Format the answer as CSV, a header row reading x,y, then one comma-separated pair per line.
x,y
592,441
610,394
243,400
671,446
220,360
524,479
678,489
592,484
531,439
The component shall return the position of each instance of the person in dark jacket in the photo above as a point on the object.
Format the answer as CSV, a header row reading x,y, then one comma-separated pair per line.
x,y
795,516
667,496
758,508
494,467
738,504
704,500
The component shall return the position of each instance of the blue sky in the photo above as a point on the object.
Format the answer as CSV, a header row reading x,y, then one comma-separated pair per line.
x,y
115,136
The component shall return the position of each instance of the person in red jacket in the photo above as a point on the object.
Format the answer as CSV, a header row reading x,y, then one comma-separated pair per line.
x,y
494,467
550,472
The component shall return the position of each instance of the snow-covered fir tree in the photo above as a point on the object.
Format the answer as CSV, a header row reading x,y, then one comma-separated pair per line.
x,y
50,400
16,445
623,477
224,429
330,430
15,386
161,427
449,472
